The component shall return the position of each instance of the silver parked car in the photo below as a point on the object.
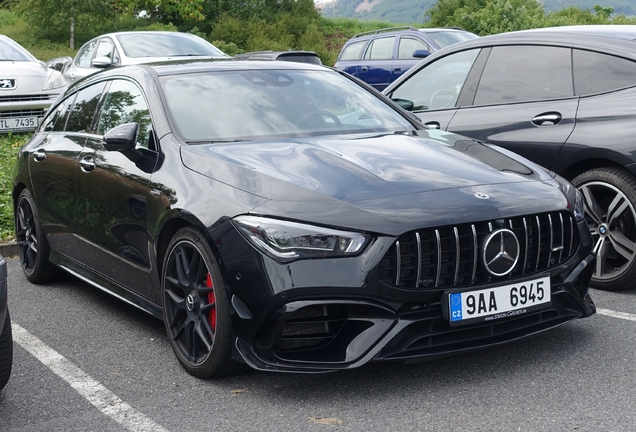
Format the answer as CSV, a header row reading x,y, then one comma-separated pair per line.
x,y
124,48
27,87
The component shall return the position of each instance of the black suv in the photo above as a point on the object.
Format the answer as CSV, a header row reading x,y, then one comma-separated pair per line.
x,y
378,57
562,97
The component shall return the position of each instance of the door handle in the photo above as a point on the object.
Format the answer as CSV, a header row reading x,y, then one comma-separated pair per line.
x,y
39,155
397,70
364,68
547,119
432,125
87,163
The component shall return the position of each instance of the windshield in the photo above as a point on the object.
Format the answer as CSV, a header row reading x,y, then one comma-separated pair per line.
x,y
11,51
169,44
260,104
446,38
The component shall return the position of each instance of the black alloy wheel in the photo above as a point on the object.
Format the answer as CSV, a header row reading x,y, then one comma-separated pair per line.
x,y
6,352
610,212
33,248
196,309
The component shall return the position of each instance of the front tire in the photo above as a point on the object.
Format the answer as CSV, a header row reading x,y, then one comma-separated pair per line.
x,y
610,212
33,247
196,308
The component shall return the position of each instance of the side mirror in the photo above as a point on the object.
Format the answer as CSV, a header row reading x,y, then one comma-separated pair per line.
x,y
404,103
101,62
123,138
421,53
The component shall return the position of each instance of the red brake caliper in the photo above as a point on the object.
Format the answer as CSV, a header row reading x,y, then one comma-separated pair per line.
x,y
211,300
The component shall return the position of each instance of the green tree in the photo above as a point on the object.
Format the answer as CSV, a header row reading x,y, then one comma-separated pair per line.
x,y
486,17
163,9
61,19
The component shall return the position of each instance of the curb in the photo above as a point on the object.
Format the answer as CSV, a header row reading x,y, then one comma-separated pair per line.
x,y
9,249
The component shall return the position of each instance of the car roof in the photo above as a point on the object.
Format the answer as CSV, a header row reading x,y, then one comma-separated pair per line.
x,y
619,39
194,66
274,54
405,29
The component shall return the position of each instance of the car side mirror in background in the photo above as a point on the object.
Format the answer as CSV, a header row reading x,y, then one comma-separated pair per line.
x,y
404,103
59,64
421,53
101,62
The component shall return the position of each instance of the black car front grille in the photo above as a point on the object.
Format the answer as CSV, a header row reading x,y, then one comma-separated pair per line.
x,y
22,113
449,256
26,98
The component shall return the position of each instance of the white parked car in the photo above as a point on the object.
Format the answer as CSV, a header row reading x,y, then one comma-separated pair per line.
x,y
27,87
124,48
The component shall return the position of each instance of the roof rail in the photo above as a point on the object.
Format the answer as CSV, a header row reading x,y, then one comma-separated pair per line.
x,y
389,29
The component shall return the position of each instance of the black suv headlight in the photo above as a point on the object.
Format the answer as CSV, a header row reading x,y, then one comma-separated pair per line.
x,y
287,241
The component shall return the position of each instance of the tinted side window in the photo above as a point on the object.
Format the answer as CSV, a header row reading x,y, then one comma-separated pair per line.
x,y
408,45
57,120
85,55
83,111
438,84
125,103
596,73
380,49
352,51
525,73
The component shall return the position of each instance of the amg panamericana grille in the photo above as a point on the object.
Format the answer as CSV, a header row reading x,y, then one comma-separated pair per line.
x,y
450,256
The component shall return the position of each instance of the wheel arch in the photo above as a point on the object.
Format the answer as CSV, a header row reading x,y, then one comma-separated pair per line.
x,y
17,190
587,164
180,219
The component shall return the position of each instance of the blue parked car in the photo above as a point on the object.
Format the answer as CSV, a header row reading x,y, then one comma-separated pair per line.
x,y
379,57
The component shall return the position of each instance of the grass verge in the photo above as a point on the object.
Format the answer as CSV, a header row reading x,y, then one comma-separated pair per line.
x,y
9,146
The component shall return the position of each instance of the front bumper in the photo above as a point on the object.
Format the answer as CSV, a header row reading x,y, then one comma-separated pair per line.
x,y
327,315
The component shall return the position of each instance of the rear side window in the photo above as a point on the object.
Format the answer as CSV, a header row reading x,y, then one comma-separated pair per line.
x,y
83,111
408,45
597,73
352,51
57,120
525,73
380,49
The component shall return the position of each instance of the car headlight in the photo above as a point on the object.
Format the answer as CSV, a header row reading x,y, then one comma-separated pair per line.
x,y
288,241
579,206
54,80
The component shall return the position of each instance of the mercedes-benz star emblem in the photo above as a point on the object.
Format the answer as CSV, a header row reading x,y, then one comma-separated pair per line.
x,y
190,302
500,252
482,195
8,84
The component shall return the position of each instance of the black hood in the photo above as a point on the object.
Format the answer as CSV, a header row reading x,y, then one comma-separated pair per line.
x,y
395,177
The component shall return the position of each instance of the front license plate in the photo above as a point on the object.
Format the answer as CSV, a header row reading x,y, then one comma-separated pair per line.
x,y
18,124
499,302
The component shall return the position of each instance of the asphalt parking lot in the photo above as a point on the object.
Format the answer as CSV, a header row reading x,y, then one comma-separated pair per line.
x,y
86,361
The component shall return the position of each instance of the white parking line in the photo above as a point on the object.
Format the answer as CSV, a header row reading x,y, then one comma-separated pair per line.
x,y
614,314
98,395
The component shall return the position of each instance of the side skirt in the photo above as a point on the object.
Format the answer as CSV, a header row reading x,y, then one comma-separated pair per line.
x,y
100,282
